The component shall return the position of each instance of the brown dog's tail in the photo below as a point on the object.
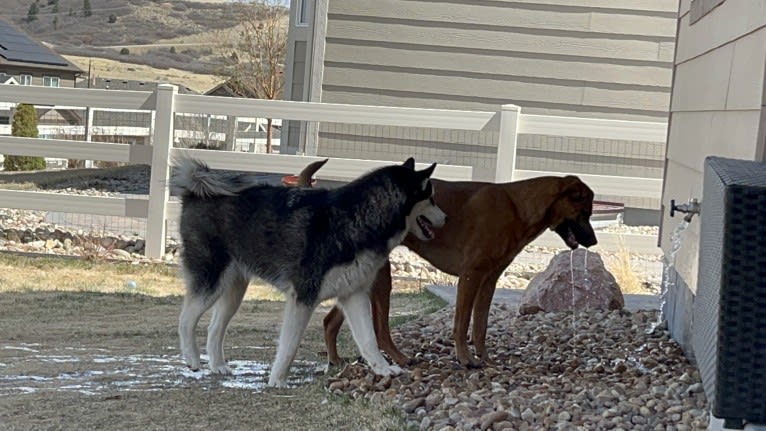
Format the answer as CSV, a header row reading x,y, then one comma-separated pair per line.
x,y
304,178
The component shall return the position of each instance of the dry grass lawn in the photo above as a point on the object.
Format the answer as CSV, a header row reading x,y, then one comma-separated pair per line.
x,y
80,349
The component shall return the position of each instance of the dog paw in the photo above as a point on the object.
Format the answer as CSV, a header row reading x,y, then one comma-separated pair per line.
x,y
390,370
471,362
192,364
277,383
222,370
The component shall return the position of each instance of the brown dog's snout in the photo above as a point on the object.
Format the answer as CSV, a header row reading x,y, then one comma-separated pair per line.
x,y
588,236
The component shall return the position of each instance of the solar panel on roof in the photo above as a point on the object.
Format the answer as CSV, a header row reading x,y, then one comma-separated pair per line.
x,y
15,46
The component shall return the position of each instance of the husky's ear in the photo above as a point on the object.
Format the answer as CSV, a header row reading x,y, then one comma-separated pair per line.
x,y
409,163
427,172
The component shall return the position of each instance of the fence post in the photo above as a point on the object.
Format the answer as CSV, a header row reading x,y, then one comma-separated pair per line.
x,y
506,146
162,143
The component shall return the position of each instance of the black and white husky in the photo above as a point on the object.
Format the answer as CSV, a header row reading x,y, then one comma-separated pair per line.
x,y
312,244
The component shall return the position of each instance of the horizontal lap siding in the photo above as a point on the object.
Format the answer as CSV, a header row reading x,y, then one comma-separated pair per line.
x,y
467,148
590,58
583,57
716,106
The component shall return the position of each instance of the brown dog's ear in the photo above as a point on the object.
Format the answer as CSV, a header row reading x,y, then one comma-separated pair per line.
x,y
409,163
576,194
576,190
304,178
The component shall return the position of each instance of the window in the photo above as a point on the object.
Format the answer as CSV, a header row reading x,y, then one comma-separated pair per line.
x,y
303,12
50,81
25,79
699,8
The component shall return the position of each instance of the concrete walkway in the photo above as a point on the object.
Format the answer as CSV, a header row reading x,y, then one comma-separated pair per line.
x,y
607,241
611,242
513,296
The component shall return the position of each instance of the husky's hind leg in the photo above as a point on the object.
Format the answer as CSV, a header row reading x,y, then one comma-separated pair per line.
x,y
233,284
357,309
194,307
294,323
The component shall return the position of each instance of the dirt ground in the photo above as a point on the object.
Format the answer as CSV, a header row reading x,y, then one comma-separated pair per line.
x,y
94,352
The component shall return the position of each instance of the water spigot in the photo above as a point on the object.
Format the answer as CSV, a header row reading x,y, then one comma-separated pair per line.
x,y
690,208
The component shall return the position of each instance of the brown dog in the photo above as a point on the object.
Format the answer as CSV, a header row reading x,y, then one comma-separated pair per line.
x,y
489,224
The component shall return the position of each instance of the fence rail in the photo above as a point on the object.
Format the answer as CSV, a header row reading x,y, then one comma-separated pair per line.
x,y
509,122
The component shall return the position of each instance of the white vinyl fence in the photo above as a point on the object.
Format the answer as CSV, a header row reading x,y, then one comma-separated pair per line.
x,y
166,102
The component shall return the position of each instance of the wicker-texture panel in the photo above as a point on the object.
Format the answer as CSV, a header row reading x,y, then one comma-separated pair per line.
x,y
733,281
706,301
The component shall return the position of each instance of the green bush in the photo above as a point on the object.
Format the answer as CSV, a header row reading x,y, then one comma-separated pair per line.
x,y
32,12
124,51
24,125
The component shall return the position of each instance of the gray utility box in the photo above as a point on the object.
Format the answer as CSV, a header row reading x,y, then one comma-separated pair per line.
x,y
729,326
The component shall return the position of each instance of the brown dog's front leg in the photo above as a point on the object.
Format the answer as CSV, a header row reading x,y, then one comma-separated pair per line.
x,y
380,297
332,322
481,316
467,288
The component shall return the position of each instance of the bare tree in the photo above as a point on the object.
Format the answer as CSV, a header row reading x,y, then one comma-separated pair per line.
x,y
252,54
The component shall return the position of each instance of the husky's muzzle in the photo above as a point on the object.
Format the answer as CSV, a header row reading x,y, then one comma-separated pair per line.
x,y
429,216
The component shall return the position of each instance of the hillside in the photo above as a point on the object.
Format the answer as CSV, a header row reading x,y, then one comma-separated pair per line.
x,y
169,37
105,68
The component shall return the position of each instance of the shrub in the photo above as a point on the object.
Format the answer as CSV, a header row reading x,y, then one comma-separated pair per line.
x,y
124,51
112,19
24,125
32,12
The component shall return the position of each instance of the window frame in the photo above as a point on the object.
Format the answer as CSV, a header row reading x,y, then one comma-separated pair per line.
x,y
49,79
302,13
699,8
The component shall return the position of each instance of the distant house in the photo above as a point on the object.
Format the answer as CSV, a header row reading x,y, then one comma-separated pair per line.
x,y
581,58
25,61
226,89
127,84
123,126
250,132
28,62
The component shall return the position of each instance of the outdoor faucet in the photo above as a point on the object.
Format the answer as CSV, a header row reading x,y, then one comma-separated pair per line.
x,y
690,208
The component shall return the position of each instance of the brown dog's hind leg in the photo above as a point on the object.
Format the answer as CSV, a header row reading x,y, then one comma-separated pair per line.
x,y
332,322
481,316
380,302
380,299
468,286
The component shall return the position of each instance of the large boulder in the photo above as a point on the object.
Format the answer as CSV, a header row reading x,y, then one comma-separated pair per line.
x,y
568,280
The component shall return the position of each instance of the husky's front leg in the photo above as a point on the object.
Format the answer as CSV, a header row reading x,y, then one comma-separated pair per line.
x,y
357,309
294,323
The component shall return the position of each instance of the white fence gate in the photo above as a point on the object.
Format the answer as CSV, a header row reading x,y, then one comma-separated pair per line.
x,y
166,102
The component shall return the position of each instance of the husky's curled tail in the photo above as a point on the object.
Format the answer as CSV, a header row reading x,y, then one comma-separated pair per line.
x,y
194,178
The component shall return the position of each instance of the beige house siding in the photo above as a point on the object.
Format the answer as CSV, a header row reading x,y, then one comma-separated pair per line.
x,y
597,59
607,59
716,107
594,59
